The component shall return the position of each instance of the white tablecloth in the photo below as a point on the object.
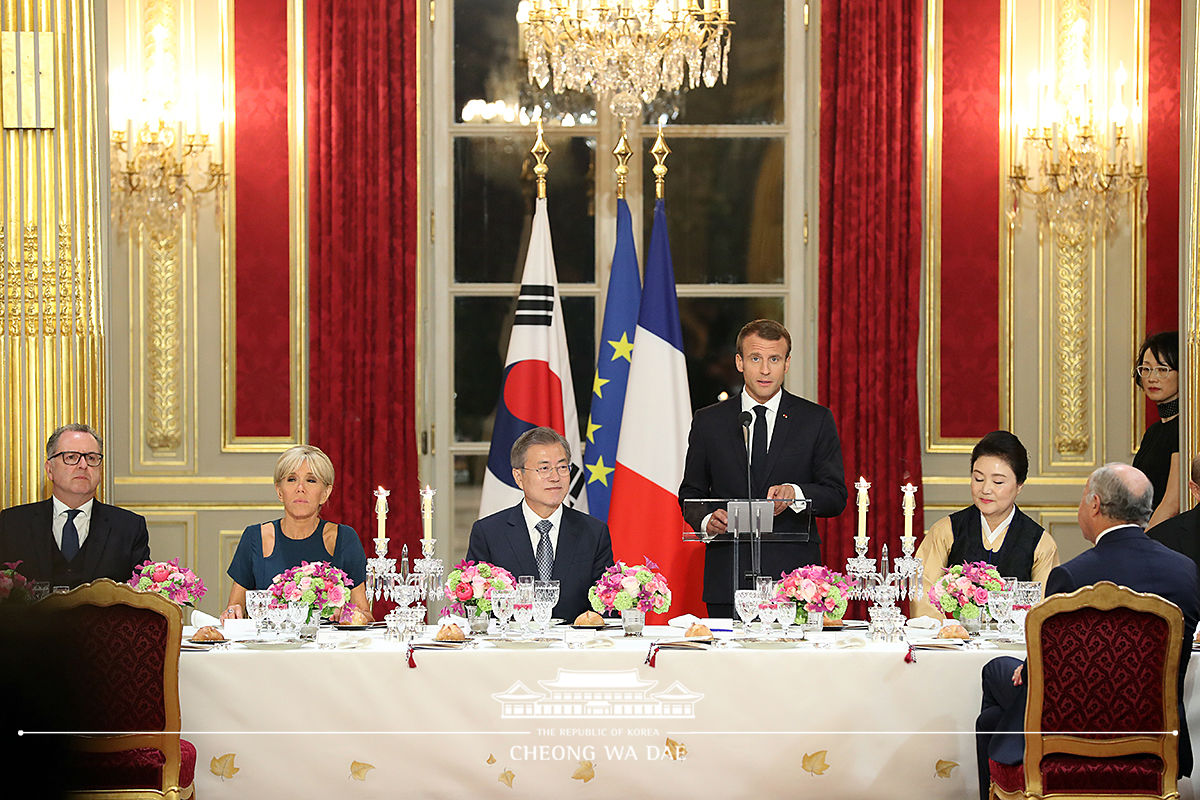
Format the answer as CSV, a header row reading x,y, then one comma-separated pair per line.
x,y
813,721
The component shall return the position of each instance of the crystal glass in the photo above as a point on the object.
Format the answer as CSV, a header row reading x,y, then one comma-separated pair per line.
x,y
543,609
633,621
257,601
523,606
787,615
745,602
1000,606
1026,595
502,605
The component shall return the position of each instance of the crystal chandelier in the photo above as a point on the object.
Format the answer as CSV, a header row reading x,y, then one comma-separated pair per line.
x,y
1078,175
626,50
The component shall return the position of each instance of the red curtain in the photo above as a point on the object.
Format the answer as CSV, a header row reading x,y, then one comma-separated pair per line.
x,y
362,141
871,133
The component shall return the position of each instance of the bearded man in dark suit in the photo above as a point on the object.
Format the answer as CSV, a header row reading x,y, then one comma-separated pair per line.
x,y
540,536
1116,504
72,538
793,451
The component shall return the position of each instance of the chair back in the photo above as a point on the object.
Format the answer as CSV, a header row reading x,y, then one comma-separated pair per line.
x,y
1103,684
125,647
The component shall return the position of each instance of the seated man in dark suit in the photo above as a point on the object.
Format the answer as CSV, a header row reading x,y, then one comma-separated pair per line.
x,y
540,536
72,538
1181,533
1117,502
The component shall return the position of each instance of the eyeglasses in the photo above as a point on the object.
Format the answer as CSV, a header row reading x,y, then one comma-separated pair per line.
x,y
545,469
71,458
1158,372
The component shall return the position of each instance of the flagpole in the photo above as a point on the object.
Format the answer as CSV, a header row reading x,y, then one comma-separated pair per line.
x,y
539,151
660,151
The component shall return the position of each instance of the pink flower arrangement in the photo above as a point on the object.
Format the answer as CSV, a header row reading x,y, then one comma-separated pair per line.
x,y
815,589
14,587
176,583
318,584
962,592
622,587
470,586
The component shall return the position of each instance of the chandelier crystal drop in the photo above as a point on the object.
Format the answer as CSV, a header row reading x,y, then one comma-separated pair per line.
x,y
626,50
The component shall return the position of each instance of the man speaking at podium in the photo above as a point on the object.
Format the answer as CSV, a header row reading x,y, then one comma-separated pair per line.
x,y
794,453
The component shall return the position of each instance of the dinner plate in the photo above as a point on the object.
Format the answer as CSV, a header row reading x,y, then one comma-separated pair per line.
x,y
522,644
770,644
285,644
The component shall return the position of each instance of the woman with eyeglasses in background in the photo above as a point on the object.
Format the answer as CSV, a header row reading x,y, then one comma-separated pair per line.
x,y
1156,373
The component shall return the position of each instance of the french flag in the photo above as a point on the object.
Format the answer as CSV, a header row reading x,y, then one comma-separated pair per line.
x,y
536,388
644,517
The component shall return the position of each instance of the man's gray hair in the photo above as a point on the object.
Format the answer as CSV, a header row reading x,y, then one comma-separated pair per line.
x,y
76,427
1118,500
533,438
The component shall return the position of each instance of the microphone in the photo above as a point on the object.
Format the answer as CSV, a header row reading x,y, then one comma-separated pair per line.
x,y
747,419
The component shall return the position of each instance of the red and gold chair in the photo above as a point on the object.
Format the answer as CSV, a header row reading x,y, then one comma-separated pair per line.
x,y
127,645
1103,661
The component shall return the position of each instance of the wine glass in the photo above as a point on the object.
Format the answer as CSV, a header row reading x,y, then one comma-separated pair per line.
x,y
746,603
1000,606
542,610
523,606
787,615
502,604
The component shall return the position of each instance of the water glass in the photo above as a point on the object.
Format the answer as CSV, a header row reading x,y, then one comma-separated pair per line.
x,y
523,606
542,611
787,615
745,602
502,604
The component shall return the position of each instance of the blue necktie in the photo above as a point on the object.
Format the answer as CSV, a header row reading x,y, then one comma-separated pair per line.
x,y
70,536
545,550
758,453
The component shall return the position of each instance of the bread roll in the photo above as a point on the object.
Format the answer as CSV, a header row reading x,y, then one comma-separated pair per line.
x,y
590,618
208,634
450,633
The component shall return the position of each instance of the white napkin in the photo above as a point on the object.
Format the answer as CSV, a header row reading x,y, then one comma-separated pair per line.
x,y
925,623
846,642
200,619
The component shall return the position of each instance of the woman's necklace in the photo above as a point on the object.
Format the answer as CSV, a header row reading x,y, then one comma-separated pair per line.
x,y
1169,408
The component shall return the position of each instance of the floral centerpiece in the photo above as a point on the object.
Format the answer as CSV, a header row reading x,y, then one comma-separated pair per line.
x,y
318,584
816,589
14,587
962,592
623,587
176,583
470,586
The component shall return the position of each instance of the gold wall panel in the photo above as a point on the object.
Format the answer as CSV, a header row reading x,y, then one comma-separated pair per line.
x,y
51,270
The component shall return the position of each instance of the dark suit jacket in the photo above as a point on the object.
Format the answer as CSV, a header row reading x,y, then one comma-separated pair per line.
x,y
805,450
1127,557
584,551
117,542
1180,533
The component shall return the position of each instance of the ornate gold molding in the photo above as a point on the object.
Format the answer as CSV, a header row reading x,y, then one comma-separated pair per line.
x,y
1071,409
163,344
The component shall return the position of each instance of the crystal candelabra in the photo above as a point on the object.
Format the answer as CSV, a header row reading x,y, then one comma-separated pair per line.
x,y
884,587
626,50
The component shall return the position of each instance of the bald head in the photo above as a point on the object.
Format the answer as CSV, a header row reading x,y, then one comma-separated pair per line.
x,y
1116,494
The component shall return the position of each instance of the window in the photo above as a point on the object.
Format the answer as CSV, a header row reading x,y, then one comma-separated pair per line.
x,y
736,194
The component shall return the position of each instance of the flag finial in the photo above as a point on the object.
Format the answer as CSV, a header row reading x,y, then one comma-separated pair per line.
x,y
540,150
660,151
622,153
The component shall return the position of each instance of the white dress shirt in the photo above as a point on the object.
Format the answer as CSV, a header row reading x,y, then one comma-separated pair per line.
x,y
532,519
83,522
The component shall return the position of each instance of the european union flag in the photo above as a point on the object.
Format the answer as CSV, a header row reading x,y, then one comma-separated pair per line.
x,y
612,367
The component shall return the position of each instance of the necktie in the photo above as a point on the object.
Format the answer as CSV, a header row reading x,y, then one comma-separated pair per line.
x,y
70,536
758,453
545,550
